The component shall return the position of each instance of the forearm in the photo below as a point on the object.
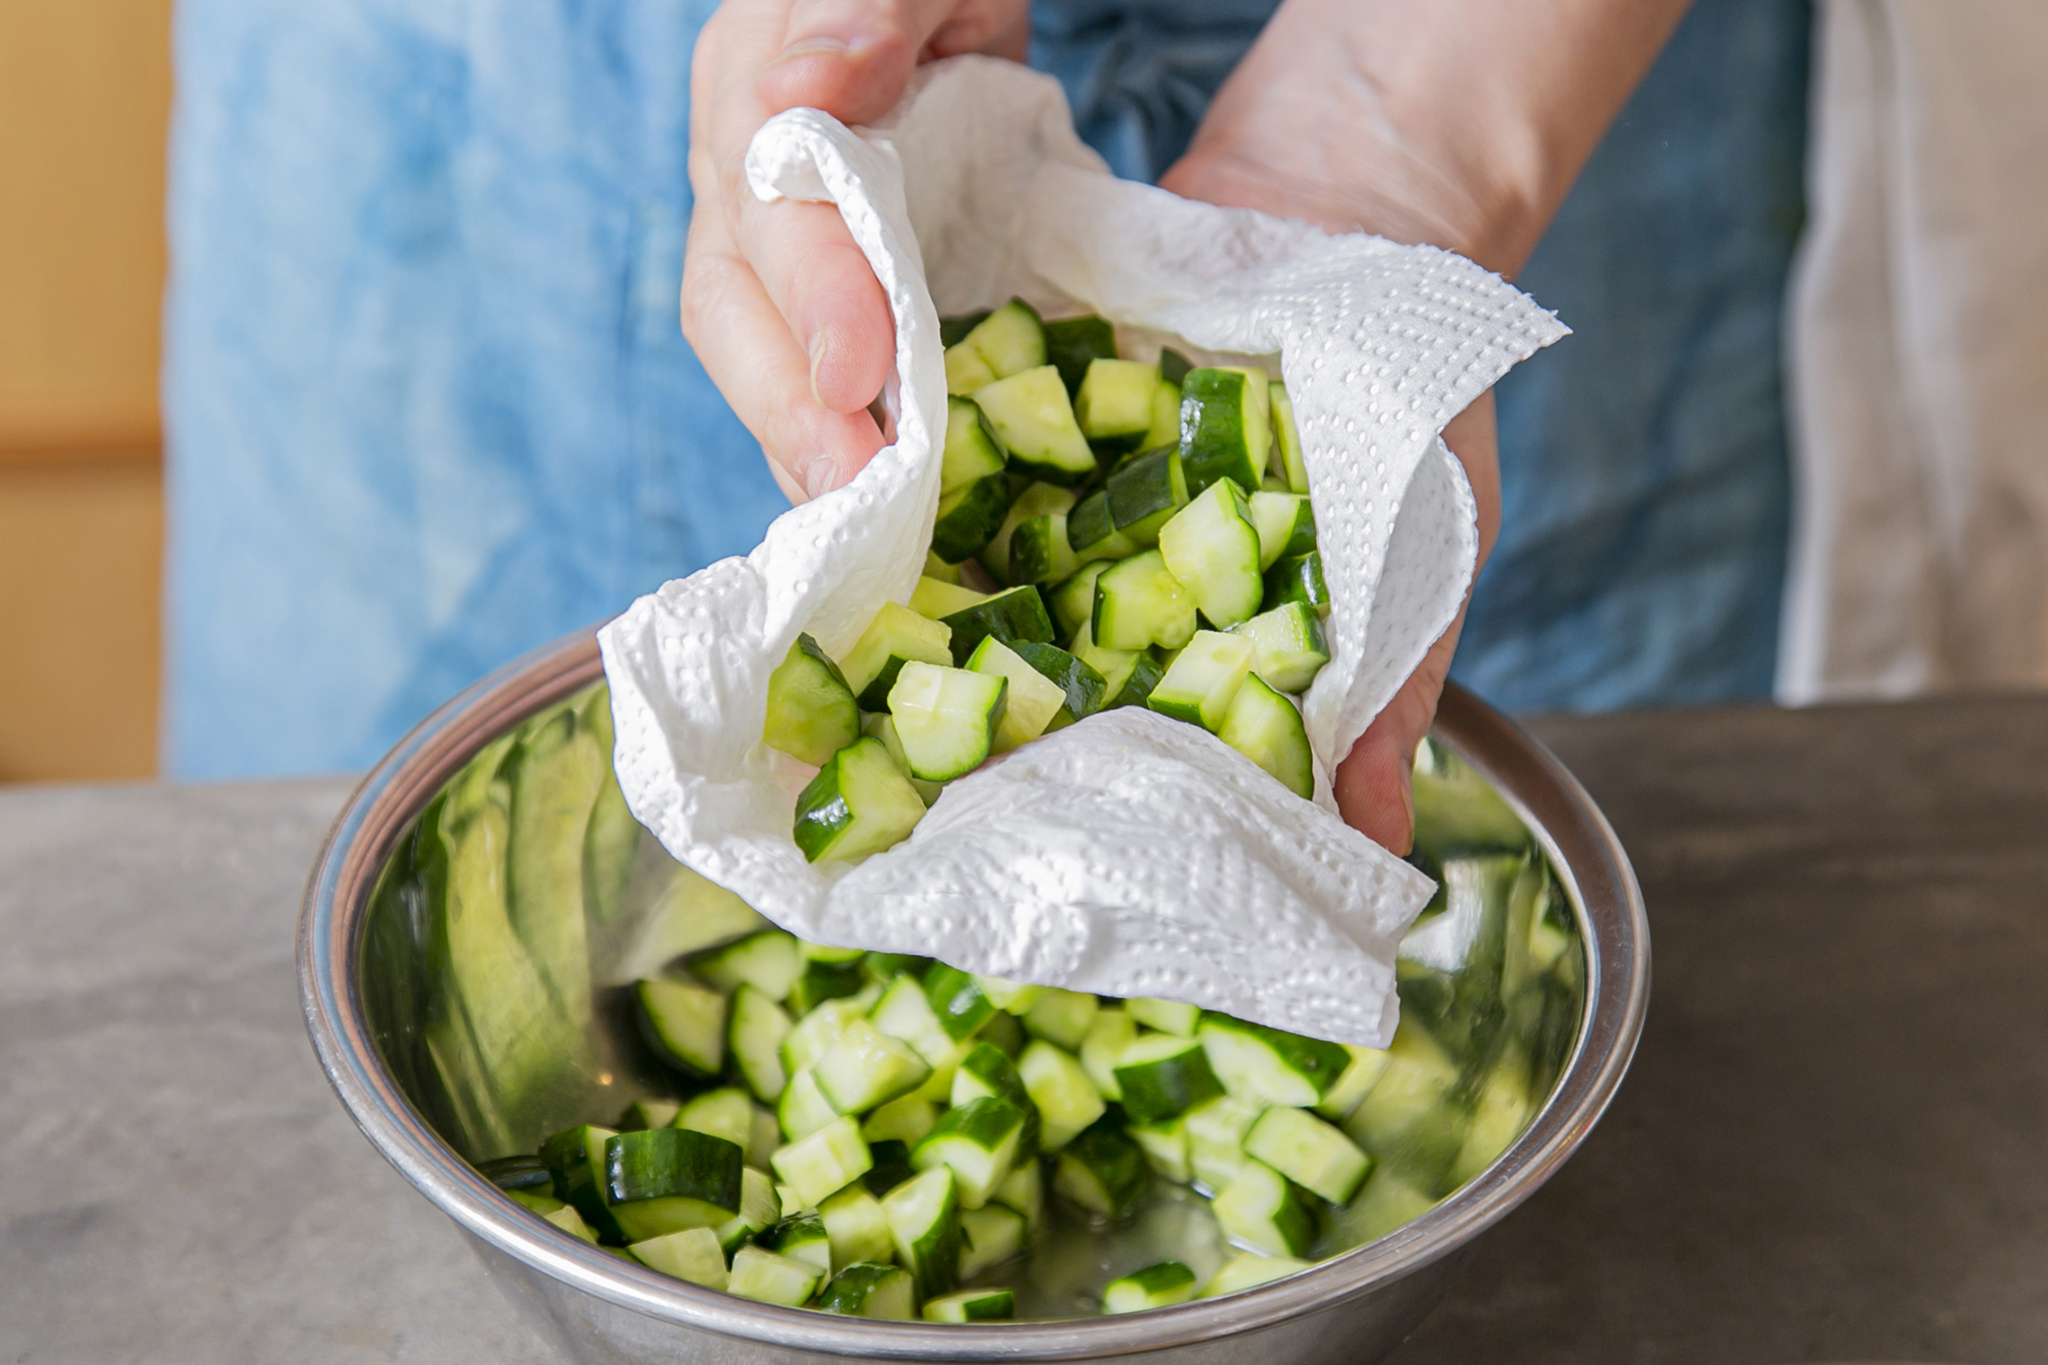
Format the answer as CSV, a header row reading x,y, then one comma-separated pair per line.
x,y
1461,123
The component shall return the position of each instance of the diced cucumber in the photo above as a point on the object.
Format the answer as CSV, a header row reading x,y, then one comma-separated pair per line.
x,y
1156,1286
1112,1031
663,1180
1225,427
968,518
1309,1152
542,1203
956,1001
939,569
972,1305
575,1158
1165,1146
970,453
1216,1138
867,1067
953,330
1040,552
924,1224
1287,437
692,1254
760,1207
870,1291
803,1108
1092,533
1034,420
825,1162
1014,997
882,727
727,1113
767,961
905,1012
946,718
859,1230
1260,1211
1286,525
1267,729
1009,340
1024,1192
1248,1270
892,1161
1289,646
811,711
1499,1113
802,1238
1102,1172
1013,616
906,1119
818,1030
1270,1065
765,1277
935,598
1067,1100
896,636
986,1071
1173,366
1114,403
1083,689
764,1138
1037,500
823,979
1204,679
1168,1016
754,1041
1163,1075
571,1222
1145,493
684,1022
1165,427
1354,1084
1061,1017
648,1114
978,1142
859,803
1138,602
1212,550
1072,344
1032,700
1128,675
1386,1202
1297,578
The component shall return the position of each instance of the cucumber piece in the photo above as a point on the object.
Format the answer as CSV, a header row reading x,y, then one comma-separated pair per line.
x,y
870,1291
905,1119
1266,728
865,1068
896,636
1204,679
857,804
727,1112
1032,699
939,569
972,1305
905,1012
1165,1146
1248,1270
953,330
1173,366
884,968
692,1254
1225,427
1092,533
1013,997
1368,1064
1040,552
968,518
811,711
1156,1286
1162,1076
1144,494
1212,549
1165,427
1286,525
663,1180
814,1034
1259,1210
1297,578
1112,1032
1102,1172
1061,1017
1011,617
575,1159
937,599
1024,1192
1114,403
765,1277
1004,342
1139,603
1216,1138
978,1142
684,1023
956,1001
803,1108
1073,601
1309,1152
1387,1202
1067,1100
987,1071
924,1224
1287,437
825,1162
1128,675
1288,645
759,1208
822,980
571,1222
882,727
1270,1065
1082,689
768,961
892,1160
801,1238
648,1114
946,718
1034,420
1168,1016
1073,344
989,1236
1004,1030
970,453
524,1172
859,1230
1037,500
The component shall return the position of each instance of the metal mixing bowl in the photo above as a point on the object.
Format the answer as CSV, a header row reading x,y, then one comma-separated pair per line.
x,y
1354,1307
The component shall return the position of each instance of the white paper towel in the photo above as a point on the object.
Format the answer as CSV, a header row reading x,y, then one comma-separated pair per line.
x,y
1127,854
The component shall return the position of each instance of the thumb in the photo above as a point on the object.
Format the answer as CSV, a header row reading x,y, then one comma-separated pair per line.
x,y
854,58
1374,782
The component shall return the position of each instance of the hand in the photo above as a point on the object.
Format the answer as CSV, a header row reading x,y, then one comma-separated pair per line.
x,y
778,301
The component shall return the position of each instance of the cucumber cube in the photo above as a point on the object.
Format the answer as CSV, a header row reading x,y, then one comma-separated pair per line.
x,y
663,1180
970,453
968,518
1084,690
936,599
1266,728
1288,645
924,1224
905,1119
1297,578
1000,343
871,1291
1072,344
1165,428
1212,549
1128,675
824,1163
644,1114
693,1255
571,1222
1114,403
978,1142
765,1277
1248,1270
972,1305
1166,1148
1203,679
1113,1030
1033,699
1139,603
1024,1192
1354,1084
1144,493
1037,500
1062,1017
1156,1286
1011,617
946,718
768,961
817,1031
1162,1076
726,1113
1092,533
1225,426
1287,437
1286,525
1040,552
896,635
811,712
1270,1065
1102,1172
802,1238
1309,1152
803,1108
1034,420
986,1071
1014,997
882,727
754,1042
1216,1138
865,1068
1168,1016
859,803
684,1022
1067,1100
858,1228
1260,1211
905,1012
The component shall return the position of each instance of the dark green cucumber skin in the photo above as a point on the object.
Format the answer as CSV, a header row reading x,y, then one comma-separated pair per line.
x,y
1090,521
848,1291
1070,343
1162,1278
1212,443
1297,578
1146,672
1302,541
985,1120
1033,555
1173,366
1083,685
660,1163
1117,1162
567,1157
875,698
892,1166
953,331
821,811
971,523
1321,1062
886,967
1144,487
517,1173
1158,1092
994,1068
822,981
795,1229
958,1002
1016,614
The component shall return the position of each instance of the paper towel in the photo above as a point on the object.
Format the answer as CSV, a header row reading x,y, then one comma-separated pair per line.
x,y
1127,854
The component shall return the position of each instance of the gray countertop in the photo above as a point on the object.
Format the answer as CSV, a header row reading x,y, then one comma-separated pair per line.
x,y
1831,1146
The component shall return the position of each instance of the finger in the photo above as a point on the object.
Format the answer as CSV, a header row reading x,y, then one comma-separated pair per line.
x,y
821,284
853,58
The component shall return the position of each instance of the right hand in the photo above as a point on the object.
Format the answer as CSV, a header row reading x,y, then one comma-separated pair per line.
x,y
779,303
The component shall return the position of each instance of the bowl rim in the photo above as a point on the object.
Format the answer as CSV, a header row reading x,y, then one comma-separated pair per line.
x,y
1583,848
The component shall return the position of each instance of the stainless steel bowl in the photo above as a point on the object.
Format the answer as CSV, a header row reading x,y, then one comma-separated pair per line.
x,y
1354,1307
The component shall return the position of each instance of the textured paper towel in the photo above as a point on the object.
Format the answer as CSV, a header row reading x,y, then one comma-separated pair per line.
x,y
1127,854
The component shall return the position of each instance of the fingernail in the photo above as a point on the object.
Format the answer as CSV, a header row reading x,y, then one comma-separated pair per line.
x,y
817,363
820,475
822,46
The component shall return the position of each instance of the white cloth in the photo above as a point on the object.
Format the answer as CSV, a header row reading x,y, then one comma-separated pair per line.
x,y
1919,355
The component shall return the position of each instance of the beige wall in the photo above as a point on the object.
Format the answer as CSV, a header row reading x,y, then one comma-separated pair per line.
x,y
84,97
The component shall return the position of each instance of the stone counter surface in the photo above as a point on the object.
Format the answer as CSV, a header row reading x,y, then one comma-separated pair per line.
x,y
1833,1145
